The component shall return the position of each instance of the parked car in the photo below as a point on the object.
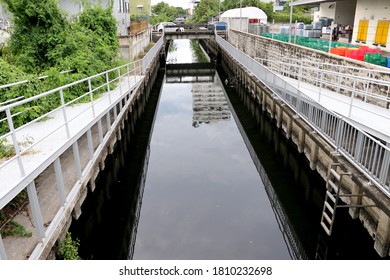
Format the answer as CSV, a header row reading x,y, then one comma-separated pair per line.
x,y
179,20
169,27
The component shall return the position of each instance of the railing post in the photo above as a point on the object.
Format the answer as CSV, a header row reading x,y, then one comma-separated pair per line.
x,y
91,97
367,87
90,144
108,87
108,120
339,133
320,87
100,131
338,84
64,113
3,255
299,74
36,211
60,180
15,142
128,76
299,103
385,169
352,97
119,81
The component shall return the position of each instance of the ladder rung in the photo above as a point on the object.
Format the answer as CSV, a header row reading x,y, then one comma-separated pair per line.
x,y
333,185
327,218
335,174
331,196
327,230
329,207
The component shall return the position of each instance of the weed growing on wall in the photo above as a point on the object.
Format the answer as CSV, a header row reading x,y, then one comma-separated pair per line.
x,y
68,248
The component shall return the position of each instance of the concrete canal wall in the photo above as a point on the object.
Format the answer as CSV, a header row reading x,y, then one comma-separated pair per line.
x,y
319,153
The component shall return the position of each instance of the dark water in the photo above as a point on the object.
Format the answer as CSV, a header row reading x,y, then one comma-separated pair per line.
x,y
209,177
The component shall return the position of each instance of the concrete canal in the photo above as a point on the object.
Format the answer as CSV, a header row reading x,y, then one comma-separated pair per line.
x,y
204,174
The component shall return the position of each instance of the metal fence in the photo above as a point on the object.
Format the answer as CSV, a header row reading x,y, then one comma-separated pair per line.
x,y
336,78
367,154
151,54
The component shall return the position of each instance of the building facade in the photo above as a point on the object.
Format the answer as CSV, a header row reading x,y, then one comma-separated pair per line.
x,y
120,10
140,7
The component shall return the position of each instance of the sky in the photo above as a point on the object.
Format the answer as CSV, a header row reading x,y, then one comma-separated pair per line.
x,y
175,3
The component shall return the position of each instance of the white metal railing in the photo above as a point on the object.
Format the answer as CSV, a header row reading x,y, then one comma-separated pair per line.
x,y
103,94
367,154
327,76
360,71
134,69
26,81
151,54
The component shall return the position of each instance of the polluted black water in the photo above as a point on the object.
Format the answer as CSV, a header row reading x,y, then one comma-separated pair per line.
x,y
207,176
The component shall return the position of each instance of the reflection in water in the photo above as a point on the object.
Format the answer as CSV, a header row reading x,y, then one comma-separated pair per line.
x,y
294,246
209,104
203,196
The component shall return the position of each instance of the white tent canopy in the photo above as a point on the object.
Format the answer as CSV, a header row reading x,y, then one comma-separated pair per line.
x,y
247,12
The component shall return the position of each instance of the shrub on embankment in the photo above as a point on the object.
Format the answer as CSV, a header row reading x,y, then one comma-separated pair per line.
x,y
44,41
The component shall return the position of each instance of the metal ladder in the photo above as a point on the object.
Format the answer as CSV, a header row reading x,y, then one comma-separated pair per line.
x,y
332,196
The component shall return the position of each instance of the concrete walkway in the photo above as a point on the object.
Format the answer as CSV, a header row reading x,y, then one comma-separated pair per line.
x,y
49,138
373,119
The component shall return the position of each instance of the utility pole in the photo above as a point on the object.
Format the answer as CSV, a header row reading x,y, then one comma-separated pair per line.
x,y
290,30
240,15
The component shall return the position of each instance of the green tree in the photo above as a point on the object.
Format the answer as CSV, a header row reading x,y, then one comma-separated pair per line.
x,y
38,28
229,4
205,10
164,12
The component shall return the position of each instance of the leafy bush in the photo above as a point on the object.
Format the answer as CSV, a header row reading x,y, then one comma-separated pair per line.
x,y
68,248
45,42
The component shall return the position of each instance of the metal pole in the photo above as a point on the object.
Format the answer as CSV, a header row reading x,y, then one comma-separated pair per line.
x,y
36,210
290,30
219,8
60,180
240,15
3,255
330,36
15,142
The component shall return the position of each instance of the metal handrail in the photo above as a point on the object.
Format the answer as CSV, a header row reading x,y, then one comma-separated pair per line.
x,y
151,54
339,67
26,81
368,155
133,66
333,80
